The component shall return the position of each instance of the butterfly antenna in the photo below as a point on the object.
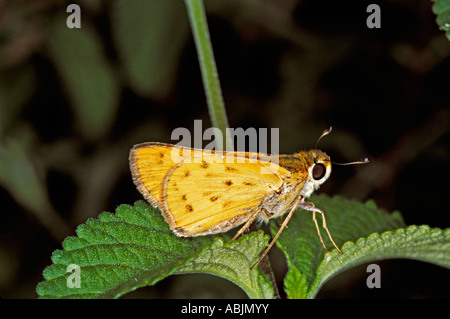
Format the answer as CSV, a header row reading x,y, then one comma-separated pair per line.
x,y
362,161
326,132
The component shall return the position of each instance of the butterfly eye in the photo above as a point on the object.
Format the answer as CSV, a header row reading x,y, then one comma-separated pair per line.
x,y
318,171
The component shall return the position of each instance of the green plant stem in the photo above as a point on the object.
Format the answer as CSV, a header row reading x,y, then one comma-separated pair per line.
x,y
216,105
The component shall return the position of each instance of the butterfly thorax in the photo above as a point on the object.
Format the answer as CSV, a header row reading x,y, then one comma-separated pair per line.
x,y
303,181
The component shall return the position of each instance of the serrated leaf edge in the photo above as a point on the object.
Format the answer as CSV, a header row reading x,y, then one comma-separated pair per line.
x,y
372,239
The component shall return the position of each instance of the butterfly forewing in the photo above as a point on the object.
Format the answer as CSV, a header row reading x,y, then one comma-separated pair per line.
x,y
150,163
205,192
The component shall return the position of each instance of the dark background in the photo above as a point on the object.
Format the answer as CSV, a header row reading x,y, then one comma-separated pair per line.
x,y
74,101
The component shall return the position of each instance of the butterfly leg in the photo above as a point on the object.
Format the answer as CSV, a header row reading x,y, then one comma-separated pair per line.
x,y
282,218
309,206
247,224
286,220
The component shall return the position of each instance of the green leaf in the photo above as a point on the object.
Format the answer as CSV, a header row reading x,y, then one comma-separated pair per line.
x,y
150,36
16,88
232,261
87,77
310,266
442,9
347,220
19,172
414,242
121,252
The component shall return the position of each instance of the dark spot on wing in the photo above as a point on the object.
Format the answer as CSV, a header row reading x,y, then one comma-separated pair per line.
x,y
227,203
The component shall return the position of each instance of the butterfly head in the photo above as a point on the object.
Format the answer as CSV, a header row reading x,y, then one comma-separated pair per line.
x,y
319,168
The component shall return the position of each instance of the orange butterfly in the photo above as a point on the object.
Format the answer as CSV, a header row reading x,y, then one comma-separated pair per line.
x,y
203,192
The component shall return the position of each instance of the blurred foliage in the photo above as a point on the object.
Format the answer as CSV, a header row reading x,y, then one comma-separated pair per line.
x,y
74,101
442,9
